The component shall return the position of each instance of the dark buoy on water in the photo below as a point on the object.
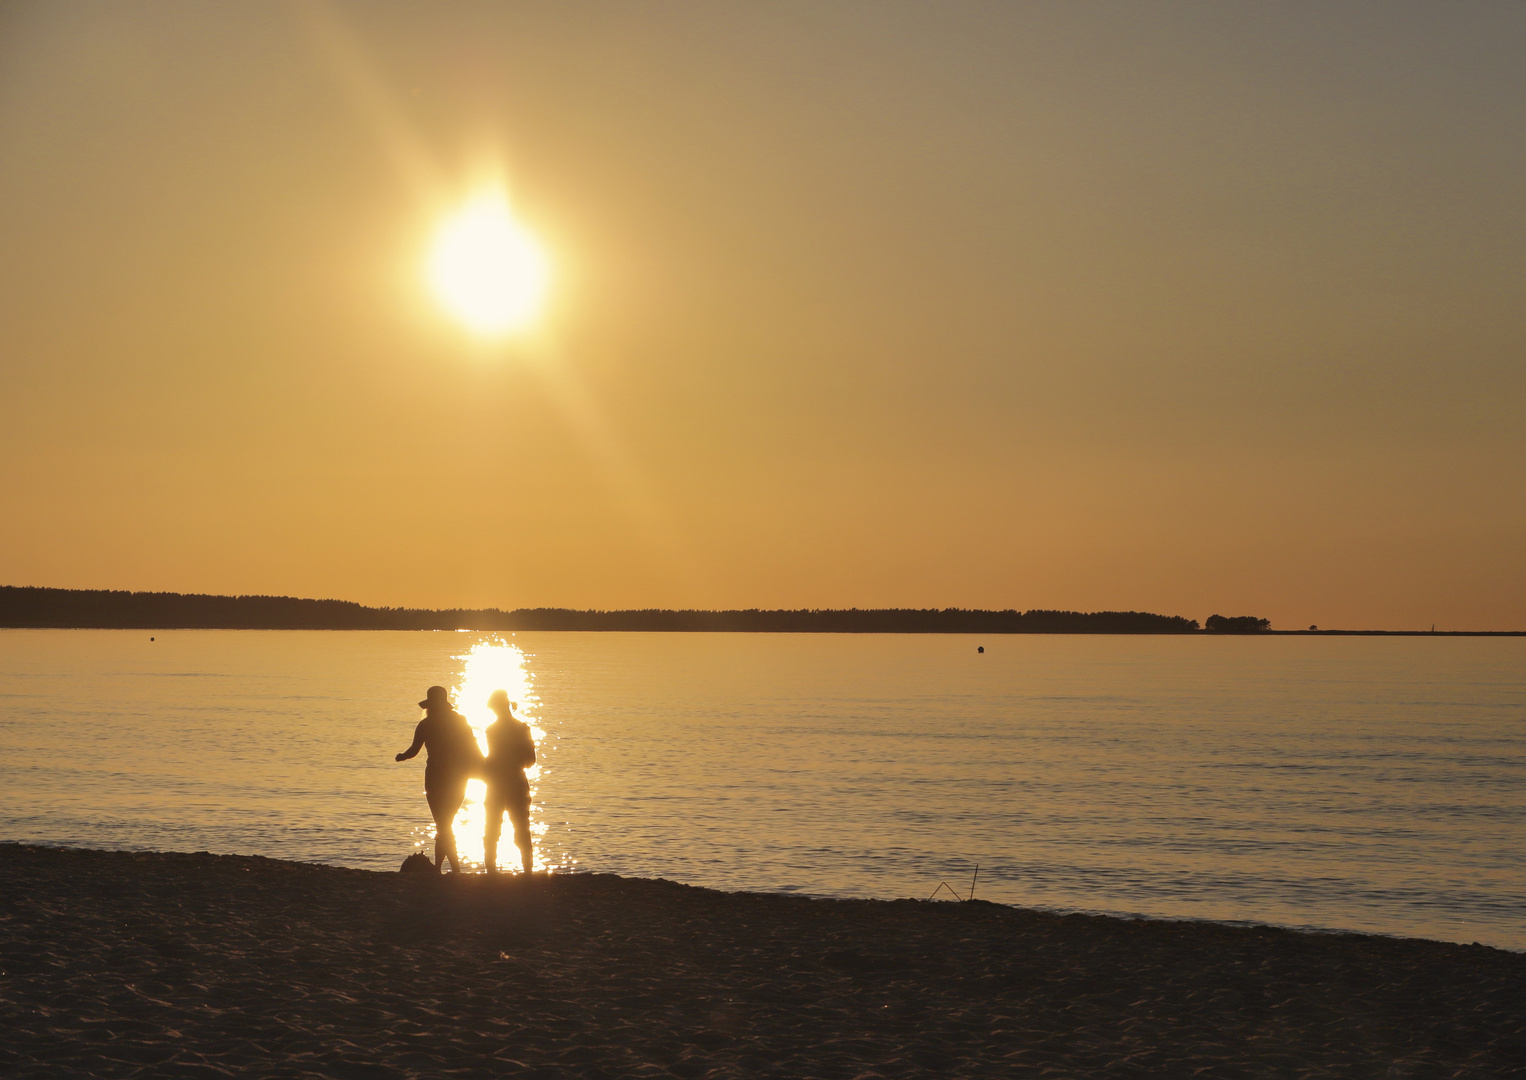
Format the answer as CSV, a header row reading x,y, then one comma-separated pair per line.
x,y
980,648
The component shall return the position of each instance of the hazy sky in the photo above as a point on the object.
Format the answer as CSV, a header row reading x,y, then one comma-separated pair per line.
x,y
1189,308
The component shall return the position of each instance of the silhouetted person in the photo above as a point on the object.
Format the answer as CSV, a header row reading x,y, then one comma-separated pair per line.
x,y
510,751
453,760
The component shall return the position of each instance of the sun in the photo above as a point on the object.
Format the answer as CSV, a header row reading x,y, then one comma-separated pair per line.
x,y
486,269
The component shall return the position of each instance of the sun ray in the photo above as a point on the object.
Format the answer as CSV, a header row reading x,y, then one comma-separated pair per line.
x,y
339,49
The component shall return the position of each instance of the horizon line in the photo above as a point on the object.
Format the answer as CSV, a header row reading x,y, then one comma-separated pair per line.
x,y
1000,621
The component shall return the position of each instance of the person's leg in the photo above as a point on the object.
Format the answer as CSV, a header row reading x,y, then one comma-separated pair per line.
x,y
434,794
523,841
493,804
445,800
519,813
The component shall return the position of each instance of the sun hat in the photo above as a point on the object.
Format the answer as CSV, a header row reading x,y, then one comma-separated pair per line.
x,y
435,695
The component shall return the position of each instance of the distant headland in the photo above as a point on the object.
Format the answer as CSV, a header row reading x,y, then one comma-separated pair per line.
x,y
101,609
31,607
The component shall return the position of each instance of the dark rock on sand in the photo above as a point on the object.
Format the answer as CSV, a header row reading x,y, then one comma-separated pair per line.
x,y
418,863
134,965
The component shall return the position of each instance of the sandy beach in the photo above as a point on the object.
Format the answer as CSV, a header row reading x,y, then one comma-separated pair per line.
x,y
136,965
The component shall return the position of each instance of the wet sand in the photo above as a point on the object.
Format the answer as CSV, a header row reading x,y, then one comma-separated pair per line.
x,y
149,965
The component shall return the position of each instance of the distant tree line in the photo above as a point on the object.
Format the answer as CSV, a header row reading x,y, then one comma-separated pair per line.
x,y
100,609
1237,624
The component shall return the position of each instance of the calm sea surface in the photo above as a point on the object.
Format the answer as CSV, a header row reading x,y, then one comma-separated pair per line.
x,y
1357,783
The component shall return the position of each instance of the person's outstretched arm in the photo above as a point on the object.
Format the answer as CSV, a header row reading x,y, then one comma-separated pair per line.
x,y
418,741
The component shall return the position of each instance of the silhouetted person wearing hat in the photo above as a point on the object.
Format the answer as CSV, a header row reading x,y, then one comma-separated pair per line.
x,y
510,751
453,760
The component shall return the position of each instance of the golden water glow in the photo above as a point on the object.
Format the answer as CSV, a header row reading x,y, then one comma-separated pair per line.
x,y
495,664
486,269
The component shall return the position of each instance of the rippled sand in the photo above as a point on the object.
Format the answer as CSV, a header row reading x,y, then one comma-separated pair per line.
x,y
119,964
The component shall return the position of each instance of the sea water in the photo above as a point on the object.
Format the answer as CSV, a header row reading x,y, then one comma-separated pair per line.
x,y
1374,784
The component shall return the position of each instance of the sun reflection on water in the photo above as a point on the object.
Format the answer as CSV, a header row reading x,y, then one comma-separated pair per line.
x,y
495,664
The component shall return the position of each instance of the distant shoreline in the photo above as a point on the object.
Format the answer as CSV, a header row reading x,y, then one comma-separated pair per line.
x,y
1396,633
27,607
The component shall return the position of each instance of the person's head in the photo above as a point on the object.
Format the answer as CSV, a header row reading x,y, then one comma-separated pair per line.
x,y
499,702
436,700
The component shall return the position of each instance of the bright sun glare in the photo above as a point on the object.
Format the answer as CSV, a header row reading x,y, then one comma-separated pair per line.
x,y
486,269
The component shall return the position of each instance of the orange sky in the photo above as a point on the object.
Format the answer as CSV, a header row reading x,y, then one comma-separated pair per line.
x,y
1189,308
